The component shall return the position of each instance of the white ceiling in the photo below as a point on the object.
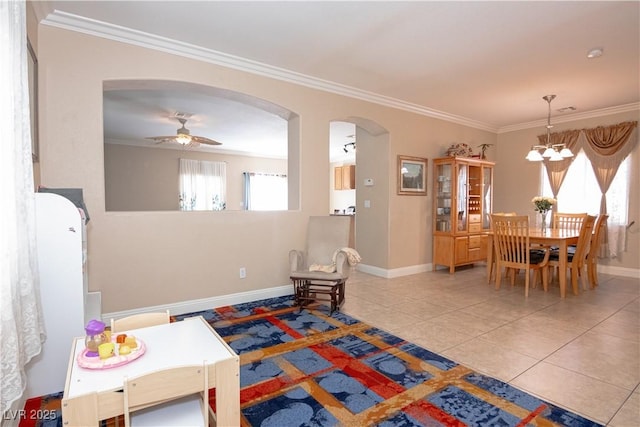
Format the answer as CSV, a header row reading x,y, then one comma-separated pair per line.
x,y
484,64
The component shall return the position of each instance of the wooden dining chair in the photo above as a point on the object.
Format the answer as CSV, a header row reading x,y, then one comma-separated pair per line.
x,y
169,397
492,267
80,411
576,260
570,221
513,250
139,321
594,249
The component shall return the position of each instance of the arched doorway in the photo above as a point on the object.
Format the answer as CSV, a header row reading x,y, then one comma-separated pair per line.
x,y
371,187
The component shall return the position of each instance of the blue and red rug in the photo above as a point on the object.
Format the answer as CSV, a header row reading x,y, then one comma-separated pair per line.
x,y
306,368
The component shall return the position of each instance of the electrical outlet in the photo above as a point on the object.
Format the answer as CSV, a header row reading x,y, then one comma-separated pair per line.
x,y
243,272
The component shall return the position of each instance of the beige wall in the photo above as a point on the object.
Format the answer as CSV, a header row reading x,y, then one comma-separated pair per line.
x,y
140,259
146,179
517,180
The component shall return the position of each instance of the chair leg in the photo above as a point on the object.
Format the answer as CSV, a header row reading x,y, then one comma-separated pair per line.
x,y
545,278
593,273
498,276
527,273
581,272
574,280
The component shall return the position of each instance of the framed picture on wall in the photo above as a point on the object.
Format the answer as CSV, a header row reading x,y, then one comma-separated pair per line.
x,y
412,176
33,100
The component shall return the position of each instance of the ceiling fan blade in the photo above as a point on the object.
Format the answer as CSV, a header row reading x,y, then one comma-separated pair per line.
x,y
160,139
203,140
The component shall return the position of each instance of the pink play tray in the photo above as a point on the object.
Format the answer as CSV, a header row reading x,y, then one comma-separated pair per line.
x,y
95,362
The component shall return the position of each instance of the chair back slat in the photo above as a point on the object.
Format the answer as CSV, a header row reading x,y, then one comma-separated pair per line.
x,y
569,221
164,386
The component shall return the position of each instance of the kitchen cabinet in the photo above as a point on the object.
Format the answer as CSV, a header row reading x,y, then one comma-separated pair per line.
x,y
344,177
462,206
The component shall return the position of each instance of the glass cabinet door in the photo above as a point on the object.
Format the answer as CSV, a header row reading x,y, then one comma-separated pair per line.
x,y
487,195
444,174
462,198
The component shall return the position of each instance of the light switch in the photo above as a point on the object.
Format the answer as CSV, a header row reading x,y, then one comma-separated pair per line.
x,y
367,203
368,182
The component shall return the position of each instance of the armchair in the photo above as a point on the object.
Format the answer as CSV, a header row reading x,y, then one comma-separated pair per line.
x,y
323,267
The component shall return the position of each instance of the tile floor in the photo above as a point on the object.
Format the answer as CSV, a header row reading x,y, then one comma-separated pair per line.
x,y
582,353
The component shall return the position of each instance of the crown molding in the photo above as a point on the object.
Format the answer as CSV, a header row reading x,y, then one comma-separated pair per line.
x,y
118,33
635,106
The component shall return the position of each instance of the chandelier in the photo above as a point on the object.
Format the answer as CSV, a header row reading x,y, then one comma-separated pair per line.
x,y
553,152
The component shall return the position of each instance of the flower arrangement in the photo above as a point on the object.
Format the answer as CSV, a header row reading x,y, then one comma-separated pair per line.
x,y
543,204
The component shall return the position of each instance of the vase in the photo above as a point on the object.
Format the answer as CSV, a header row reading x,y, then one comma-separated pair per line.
x,y
543,223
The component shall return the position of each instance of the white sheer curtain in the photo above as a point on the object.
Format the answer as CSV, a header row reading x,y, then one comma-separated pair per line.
x,y
265,192
21,329
203,185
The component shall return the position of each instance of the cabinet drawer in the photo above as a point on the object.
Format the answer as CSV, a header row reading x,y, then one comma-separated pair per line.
x,y
475,242
474,218
475,254
475,228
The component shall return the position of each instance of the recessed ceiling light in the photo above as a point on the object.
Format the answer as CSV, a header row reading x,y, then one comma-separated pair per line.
x,y
595,53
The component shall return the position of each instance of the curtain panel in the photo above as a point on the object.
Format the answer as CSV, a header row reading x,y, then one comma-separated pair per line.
x,y
203,185
21,323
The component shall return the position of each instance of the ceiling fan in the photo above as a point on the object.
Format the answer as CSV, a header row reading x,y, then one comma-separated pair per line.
x,y
184,137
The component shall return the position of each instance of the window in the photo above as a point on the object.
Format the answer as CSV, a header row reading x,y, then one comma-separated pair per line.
x,y
203,185
580,192
265,192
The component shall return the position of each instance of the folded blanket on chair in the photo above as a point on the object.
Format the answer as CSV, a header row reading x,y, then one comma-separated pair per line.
x,y
353,258
352,255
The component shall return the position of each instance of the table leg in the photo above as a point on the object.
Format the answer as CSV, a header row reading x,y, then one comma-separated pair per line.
x,y
489,258
562,269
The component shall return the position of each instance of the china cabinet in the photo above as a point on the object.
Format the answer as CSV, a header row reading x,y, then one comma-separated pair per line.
x,y
462,205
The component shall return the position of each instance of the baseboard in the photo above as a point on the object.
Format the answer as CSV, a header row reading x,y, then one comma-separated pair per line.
x,y
415,269
393,273
204,303
619,271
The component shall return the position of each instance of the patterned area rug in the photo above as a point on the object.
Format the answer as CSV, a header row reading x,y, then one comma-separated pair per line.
x,y
306,368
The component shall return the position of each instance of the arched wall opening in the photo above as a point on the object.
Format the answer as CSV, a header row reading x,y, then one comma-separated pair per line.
x,y
142,174
372,186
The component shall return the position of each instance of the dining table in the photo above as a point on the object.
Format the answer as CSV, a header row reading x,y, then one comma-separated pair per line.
x,y
191,341
561,238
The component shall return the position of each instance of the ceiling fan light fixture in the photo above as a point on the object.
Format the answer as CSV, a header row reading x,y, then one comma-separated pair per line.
x,y
183,139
